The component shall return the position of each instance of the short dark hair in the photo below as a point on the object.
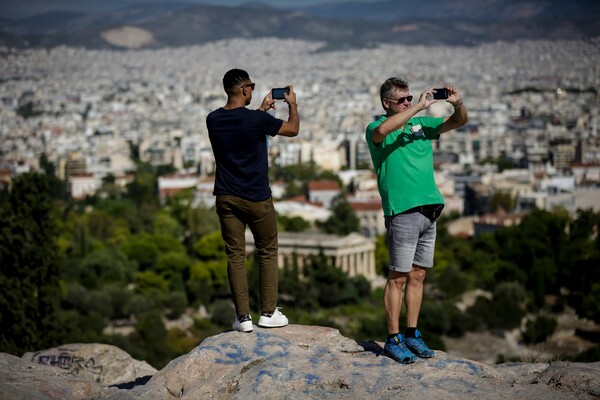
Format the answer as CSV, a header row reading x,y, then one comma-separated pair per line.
x,y
391,84
234,77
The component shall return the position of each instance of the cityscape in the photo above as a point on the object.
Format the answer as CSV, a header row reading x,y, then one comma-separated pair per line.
x,y
533,105
95,114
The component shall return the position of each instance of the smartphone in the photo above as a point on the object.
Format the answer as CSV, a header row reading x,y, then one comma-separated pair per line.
x,y
277,93
440,94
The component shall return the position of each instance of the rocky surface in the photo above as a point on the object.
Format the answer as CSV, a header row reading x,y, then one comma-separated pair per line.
x,y
304,362
73,371
105,364
25,380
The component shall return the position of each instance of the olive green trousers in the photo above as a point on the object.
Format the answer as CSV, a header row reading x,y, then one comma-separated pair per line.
x,y
235,214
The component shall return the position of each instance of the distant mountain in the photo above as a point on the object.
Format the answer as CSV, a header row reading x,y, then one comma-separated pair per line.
x,y
340,25
47,23
480,10
11,41
258,5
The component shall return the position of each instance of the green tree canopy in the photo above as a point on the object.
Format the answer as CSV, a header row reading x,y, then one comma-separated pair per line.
x,y
502,200
29,267
343,220
382,255
210,247
104,266
292,224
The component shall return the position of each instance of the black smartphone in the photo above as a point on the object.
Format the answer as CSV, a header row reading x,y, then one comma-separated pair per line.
x,y
440,94
277,93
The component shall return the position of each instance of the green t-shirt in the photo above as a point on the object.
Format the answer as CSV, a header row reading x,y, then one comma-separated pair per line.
x,y
403,162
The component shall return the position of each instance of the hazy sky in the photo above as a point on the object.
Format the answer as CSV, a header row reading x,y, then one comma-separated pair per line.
x,y
25,8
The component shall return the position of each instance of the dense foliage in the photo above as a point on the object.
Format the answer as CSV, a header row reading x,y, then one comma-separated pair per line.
x,y
118,267
30,268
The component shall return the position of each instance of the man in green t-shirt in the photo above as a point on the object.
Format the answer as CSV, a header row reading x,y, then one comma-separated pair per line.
x,y
400,147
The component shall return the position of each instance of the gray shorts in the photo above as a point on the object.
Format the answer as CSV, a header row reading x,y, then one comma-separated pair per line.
x,y
410,240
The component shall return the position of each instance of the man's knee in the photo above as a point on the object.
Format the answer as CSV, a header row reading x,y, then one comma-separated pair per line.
x,y
397,278
417,275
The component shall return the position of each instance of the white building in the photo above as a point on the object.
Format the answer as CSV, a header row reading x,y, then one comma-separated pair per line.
x,y
82,185
168,185
323,192
308,212
353,254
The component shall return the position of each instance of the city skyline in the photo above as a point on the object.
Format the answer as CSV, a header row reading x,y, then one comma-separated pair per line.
x,y
527,105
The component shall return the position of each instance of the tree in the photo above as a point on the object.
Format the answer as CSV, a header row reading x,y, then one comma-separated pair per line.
x,y
502,200
293,189
507,307
141,250
343,220
382,255
579,267
143,189
298,175
28,110
174,267
590,307
292,224
536,246
504,162
210,247
290,282
324,281
101,267
303,172
150,340
452,281
29,267
164,224
58,188
538,329
101,225
196,221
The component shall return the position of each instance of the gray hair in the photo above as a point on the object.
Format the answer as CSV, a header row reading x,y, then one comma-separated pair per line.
x,y
390,85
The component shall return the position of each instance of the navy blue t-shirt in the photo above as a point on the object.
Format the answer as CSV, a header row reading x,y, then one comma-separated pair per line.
x,y
239,142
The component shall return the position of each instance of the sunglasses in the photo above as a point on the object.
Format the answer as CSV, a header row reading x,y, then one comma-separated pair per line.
x,y
401,100
250,85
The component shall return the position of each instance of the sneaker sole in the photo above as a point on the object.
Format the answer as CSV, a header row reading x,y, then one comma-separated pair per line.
x,y
410,360
239,329
423,356
419,354
272,325
242,330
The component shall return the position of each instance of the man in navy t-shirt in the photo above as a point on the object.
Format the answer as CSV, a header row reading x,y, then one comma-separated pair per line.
x,y
238,137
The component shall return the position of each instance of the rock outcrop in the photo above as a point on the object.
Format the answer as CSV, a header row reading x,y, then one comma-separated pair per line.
x,y
74,371
311,362
105,364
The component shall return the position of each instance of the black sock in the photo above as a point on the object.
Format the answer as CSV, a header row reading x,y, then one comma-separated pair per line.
x,y
410,332
391,335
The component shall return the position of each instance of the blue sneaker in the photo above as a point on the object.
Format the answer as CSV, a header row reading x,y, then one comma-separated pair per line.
x,y
418,346
396,349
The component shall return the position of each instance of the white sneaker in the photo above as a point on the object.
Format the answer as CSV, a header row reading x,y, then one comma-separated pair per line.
x,y
243,324
272,320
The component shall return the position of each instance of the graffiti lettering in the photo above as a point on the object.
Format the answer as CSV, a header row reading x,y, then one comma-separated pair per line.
x,y
68,361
